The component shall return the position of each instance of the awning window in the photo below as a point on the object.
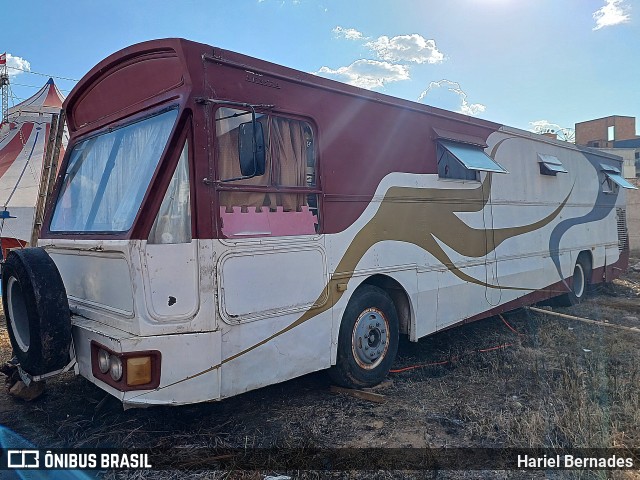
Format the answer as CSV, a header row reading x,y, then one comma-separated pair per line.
x,y
472,157
550,165
613,174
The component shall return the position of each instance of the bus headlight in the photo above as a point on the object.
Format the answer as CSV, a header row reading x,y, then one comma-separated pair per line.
x,y
103,360
115,368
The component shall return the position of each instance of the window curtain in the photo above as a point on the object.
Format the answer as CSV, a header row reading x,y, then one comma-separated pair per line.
x,y
80,185
288,146
137,160
109,175
173,222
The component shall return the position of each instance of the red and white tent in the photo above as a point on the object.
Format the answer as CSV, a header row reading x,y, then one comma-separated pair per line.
x,y
23,142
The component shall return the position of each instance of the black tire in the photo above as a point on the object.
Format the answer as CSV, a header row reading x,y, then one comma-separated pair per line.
x,y
579,283
37,311
364,362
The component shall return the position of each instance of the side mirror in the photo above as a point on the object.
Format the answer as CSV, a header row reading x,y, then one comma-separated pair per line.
x,y
251,149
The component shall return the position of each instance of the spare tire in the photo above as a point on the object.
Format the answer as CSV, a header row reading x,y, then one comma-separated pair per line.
x,y
37,311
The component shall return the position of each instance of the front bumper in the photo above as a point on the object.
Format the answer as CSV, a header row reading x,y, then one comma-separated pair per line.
x,y
189,371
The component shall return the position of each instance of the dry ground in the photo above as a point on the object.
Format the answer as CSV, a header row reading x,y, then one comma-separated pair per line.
x,y
561,383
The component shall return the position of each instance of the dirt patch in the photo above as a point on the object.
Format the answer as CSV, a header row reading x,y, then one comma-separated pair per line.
x,y
534,381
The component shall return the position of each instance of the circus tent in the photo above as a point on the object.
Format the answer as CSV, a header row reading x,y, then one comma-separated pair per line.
x,y
23,142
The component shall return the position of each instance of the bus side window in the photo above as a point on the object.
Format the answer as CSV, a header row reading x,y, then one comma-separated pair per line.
x,y
285,208
450,167
173,222
228,121
291,143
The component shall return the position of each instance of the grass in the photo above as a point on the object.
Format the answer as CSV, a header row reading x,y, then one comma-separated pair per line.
x,y
562,388
561,383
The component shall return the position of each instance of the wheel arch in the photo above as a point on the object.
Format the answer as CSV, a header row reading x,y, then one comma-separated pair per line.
x,y
588,256
399,296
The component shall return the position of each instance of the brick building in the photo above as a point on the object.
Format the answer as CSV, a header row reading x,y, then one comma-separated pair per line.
x,y
603,132
615,134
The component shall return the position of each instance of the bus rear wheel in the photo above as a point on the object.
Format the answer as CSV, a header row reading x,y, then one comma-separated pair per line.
x,y
368,339
579,283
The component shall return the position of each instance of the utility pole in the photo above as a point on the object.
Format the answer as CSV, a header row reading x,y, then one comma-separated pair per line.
x,y
4,84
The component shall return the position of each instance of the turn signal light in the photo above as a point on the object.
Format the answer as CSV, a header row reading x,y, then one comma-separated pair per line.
x,y
138,371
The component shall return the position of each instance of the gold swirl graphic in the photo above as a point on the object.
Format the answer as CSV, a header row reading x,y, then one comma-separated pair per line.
x,y
421,216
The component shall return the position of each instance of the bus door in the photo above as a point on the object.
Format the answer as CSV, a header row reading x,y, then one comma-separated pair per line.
x,y
271,262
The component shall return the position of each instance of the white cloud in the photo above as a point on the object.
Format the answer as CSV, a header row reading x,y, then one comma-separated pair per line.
x,y
545,126
613,13
472,109
368,74
348,33
394,54
466,108
17,65
406,48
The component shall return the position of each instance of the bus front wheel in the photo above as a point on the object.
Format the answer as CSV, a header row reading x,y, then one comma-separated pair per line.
x,y
368,339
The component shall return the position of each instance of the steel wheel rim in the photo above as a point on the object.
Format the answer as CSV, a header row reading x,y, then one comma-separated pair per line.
x,y
370,338
18,316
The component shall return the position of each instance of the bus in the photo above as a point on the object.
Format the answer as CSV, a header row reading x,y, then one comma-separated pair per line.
x,y
220,223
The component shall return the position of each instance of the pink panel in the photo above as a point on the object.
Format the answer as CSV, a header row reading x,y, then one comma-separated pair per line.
x,y
291,223
249,224
252,223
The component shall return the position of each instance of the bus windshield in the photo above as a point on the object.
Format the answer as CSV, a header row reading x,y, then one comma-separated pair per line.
x,y
107,176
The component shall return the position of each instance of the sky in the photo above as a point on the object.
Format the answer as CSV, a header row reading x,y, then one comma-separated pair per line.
x,y
530,64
